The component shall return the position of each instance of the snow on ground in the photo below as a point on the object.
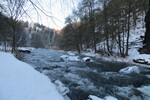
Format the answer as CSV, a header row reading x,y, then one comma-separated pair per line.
x,y
91,97
3,48
130,69
145,57
19,48
90,53
19,81
26,48
136,42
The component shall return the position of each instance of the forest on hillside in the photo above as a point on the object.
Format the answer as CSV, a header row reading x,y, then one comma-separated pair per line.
x,y
103,25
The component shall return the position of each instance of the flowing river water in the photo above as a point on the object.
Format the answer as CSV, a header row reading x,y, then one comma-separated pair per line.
x,y
99,77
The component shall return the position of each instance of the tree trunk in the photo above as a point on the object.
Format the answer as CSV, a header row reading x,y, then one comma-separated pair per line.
x,y
128,33
105,27
14,36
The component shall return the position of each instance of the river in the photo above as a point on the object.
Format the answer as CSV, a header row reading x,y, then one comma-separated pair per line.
x,y
99,77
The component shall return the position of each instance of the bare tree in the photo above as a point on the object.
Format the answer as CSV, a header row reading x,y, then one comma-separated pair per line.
x,y
14,10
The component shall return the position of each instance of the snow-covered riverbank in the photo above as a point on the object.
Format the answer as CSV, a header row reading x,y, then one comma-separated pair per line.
x,y
19,81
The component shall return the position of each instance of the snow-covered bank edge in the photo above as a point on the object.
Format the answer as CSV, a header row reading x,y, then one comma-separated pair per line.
x,y
128,59
90,56
19,81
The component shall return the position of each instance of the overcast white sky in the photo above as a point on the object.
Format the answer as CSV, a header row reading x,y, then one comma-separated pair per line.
x,y
58,9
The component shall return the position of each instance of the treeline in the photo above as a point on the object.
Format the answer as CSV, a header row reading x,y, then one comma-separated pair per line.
x,y
26,34
7,31
38,35
103,25
15,33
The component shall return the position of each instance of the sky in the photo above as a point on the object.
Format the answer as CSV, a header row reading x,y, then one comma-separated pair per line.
x,y
57,9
